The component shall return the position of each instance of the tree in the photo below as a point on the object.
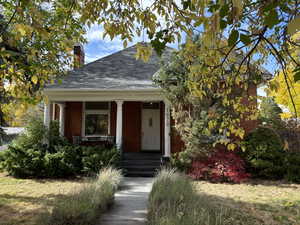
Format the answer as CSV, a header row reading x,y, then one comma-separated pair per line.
x,y
269,109
270,113
261,30
33,48
277,89
18,113
235,34
208,106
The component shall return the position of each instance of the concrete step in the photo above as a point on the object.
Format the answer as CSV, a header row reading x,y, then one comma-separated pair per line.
x,y
141,162
140,173
141,156
140,167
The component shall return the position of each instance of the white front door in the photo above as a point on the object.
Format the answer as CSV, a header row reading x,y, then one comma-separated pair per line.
x,y
150,129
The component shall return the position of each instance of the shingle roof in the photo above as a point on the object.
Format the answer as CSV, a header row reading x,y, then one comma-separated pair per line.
x,y
118,71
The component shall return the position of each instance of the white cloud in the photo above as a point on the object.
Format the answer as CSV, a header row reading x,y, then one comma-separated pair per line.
x,y
95,33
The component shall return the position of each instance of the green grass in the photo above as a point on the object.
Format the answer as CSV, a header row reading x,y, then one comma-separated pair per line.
x,y
272,202
24,201
174,201
86,204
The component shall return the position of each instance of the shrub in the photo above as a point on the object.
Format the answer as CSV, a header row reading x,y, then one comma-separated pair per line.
x,y
86,204
20,162
35,134
290,134
56,166
54,137
28,156
221,166
292,166
72,156
179,204
95,158
3,136
264,153
181,161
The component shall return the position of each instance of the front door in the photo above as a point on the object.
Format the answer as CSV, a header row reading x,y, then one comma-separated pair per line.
x,y
150,128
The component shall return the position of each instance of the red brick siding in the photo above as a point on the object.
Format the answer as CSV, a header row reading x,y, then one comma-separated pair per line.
x,y
249,125
73,119
113,118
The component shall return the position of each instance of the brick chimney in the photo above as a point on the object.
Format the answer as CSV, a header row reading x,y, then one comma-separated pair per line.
x,y
78,56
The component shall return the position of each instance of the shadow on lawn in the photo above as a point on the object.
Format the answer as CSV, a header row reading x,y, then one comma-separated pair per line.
x,y
11,216
20,210
266,214
48,200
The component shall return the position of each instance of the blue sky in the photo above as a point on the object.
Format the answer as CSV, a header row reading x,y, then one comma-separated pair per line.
x,y
97,47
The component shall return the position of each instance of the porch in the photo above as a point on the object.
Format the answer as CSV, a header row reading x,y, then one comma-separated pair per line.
x,y
133,126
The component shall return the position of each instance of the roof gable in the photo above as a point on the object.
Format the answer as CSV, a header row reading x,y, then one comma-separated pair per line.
x,y
118,71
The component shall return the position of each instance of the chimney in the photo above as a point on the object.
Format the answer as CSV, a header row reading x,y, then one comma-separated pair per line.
x,y
78,56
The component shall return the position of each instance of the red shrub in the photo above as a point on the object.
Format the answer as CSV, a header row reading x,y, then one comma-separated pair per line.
x,y
221,166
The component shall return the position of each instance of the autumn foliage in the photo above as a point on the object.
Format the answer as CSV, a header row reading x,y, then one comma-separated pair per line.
x,y
221,166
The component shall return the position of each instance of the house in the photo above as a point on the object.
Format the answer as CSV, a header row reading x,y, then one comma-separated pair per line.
x,y
114,99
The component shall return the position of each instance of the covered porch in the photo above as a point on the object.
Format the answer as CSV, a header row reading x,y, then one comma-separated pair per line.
x,y
135,121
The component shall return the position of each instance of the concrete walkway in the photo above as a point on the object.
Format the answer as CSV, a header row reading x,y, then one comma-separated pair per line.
x,y
130,206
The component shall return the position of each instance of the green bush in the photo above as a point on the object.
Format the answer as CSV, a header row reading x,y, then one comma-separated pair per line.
x,y
179,204
54,137
292,165
29,156
86,204
96,158
181,161
72,156
20,162
264,154
35,134
56,166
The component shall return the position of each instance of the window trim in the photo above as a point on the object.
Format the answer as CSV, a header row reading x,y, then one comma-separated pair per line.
x,y
98,112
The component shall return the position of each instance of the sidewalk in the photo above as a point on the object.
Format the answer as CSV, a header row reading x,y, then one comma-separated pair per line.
x,y
130,206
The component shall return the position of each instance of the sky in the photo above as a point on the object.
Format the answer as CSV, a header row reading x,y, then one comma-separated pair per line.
x,y
97,47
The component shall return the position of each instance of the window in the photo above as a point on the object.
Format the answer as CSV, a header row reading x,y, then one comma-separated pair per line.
x,y
96,119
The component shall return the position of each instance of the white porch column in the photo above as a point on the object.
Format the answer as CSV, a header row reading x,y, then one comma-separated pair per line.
x,y
61,118
167,130
119,134
47,114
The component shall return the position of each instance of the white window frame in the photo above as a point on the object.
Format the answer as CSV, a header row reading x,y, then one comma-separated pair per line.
x,y
98,112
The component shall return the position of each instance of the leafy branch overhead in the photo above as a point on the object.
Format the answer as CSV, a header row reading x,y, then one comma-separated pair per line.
x,y
34,48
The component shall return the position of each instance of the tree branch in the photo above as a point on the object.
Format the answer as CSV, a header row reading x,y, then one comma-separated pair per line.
x,y
283,66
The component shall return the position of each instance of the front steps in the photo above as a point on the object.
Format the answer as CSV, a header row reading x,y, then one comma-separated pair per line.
x,y
141,164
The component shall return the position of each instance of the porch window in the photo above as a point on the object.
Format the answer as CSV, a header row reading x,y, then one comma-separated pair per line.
x,y
96,119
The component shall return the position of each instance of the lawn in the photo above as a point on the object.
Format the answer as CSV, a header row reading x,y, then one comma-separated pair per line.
x,y
272,202
22,200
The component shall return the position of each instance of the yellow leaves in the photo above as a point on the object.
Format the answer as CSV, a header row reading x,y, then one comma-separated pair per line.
x,y
212,124
294,26
286,115
231,146
143,52
286,145
277,88
237,8
23,29
34,79
124,44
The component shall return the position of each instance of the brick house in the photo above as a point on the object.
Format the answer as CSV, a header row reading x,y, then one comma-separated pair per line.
x,y
113,99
